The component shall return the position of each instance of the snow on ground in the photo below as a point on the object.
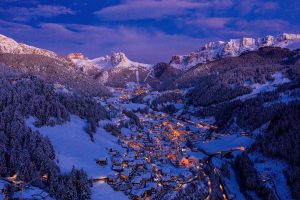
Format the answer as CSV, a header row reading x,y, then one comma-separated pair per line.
x,y
104,122
113,100
149,98
102,191
226,142
32,193
274,169
261,130
134,106
179,106
290,44
233,185
74,148
27,193
284,98
257,88
59,88
126,131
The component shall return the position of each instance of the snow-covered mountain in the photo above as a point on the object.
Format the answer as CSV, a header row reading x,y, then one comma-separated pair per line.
x,y
8,45
115,70
234,47
110,70
115,62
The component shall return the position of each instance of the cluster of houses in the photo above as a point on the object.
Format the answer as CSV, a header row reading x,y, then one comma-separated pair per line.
x,y
163,156
156,159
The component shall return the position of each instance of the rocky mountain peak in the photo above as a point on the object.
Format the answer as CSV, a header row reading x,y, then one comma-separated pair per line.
x,y
118,58
234,47
8,45
78,56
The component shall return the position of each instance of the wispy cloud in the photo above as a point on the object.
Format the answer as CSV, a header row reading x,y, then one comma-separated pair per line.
x,y
257,6
27,13
149,9
212,23
266,26
147,30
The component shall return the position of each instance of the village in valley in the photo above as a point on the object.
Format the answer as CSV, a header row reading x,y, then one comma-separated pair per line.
x,y
161,155
146,152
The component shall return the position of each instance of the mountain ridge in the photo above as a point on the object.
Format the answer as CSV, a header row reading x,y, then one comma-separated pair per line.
x,y
118,70
118,60
234,47
9,45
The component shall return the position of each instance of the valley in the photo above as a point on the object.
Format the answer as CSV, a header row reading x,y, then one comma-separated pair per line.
x,y
163,162
152,154
166,155
203,126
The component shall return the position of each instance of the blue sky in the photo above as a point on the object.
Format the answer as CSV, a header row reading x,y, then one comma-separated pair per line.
x,y
146,30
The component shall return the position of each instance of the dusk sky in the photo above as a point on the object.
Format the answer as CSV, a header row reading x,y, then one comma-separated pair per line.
x,y
148,31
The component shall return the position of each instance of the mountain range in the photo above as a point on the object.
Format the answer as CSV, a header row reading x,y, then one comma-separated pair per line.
x,y
234,47
117,70
223,120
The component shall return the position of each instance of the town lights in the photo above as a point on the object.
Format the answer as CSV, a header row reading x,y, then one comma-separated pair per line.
x,y
242,148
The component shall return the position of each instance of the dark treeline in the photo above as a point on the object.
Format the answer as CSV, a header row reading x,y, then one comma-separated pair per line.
x,y
222,80
251,67
249,180
167,97
30,155
282,140
54,70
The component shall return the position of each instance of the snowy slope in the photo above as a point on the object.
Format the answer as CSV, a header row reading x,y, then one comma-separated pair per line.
x,y
274,169
234,47
117,61
74,148
226,142
8,45
28,193
257,88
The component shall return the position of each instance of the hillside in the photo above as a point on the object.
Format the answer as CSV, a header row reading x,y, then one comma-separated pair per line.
x,y
221,123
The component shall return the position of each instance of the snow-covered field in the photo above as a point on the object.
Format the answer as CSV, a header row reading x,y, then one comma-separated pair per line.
x,y
27,193
257,88
225,143
134,106
75,148
273,170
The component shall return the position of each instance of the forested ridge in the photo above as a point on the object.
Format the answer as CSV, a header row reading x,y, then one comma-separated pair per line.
x,y
26,153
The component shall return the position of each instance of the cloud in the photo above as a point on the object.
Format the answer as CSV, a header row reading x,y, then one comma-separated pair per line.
x,y
212,23
266,26
191,24
221,4
257,6
51,10
149,9
27,13
149,46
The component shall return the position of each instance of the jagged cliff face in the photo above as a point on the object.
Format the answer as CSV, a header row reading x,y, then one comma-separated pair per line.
x,y
79,56
115,61
8,45
115,70
234,47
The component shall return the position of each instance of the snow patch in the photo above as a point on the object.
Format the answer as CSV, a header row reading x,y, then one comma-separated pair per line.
x,y
74,147
272,171
134,106
269,86
226,142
